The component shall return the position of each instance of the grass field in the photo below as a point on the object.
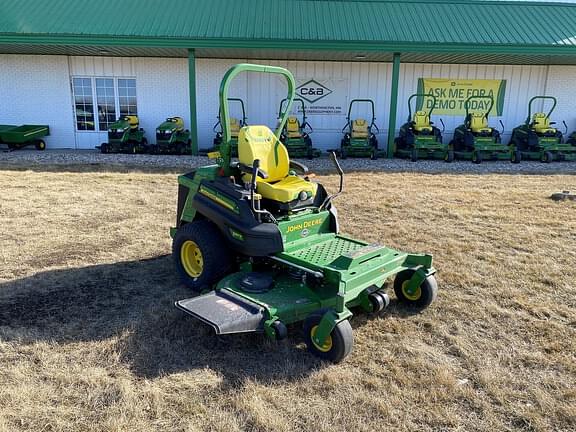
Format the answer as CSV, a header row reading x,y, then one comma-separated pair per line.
x,y
90,341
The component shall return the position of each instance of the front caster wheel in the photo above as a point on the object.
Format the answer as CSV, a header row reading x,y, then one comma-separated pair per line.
x,y
449,156
547,157
338,344
422,297
414,155
477,157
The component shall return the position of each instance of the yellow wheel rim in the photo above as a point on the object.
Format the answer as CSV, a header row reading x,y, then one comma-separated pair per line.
x,y
327,346
191,258
415,296
42,146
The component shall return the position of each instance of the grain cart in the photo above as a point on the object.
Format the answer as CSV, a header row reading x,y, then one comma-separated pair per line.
x,y
17,137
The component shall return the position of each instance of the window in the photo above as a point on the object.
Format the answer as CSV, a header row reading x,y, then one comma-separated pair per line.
x,y
114,97
106,102
84,104
127,96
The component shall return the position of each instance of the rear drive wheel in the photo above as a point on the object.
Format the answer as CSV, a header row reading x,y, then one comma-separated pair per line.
x,y
422,297
40,145
338,344
200,254
547,157
104,148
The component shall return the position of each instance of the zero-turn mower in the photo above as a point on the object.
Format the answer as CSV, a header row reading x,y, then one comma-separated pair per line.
x,y
536,139
235,125
475,139
359,139
419,138
294,136
172,138
263,239
125,136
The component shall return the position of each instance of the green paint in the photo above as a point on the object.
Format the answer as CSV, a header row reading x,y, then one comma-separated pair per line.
x,y
393,105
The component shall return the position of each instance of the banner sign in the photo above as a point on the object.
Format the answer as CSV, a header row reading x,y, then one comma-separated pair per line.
x,y
323,96
451,95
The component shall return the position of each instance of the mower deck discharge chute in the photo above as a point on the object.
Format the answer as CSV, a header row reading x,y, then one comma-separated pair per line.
x,y
475,139
172,138
234,125
536,139
294,136
419,138
125,136
359,139
17,137
264,239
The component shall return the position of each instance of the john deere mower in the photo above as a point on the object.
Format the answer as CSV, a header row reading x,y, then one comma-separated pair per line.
x,y
536,139
235,125
475,139
419,138
172,138
294,135
125,136
359,138
262,241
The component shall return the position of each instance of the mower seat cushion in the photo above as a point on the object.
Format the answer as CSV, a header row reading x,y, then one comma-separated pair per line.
x,y
259,142
479,123
359,129
132,121
541,124
293,128
234,127
422,122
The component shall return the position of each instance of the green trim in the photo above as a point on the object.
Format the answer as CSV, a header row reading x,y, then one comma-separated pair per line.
x,y
393,104
193,115
300,45
500,99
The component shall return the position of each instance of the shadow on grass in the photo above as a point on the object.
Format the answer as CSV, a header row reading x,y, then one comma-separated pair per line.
x,y
134,301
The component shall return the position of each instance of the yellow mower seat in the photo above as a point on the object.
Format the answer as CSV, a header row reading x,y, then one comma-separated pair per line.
x,y
359,129
422,122
132,121
293,128
259,142
178,121
479,123
234,127
541,124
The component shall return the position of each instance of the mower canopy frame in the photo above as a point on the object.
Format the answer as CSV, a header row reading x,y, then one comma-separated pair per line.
x,y
359,101
552,98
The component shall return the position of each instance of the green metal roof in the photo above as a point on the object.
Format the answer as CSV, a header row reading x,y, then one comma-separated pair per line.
x,y
438,26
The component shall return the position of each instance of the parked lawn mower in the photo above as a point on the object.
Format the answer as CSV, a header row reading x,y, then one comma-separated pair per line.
x,y
536,139
294,136
17,137
359,139
475,140
265,242
419,138
235,125
172,138
125,136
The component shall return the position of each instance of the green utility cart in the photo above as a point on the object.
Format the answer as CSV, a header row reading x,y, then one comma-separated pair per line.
x,y
125,136
536,139
294,135
172,138
235,125
261,240
475,139
419,138
17,137
359,138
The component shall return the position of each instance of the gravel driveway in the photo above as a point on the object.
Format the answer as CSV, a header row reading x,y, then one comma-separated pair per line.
x,y
33,158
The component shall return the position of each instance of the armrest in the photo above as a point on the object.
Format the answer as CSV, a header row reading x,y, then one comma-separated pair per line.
x,y
297,166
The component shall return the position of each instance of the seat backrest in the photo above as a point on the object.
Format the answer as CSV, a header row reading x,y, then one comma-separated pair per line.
x,y
421,121
541,122
478,122
132,121
259,142
293,128
359,129
178,122
234,127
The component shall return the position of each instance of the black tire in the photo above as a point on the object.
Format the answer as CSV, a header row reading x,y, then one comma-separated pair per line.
x,y
547,157
449,156
414,155
341,339
374,154
343,153
214,260
476,157
379,301
426,294
104,148
40,145
280,330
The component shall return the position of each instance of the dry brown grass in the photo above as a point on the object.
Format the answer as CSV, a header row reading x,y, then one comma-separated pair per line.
x,y
89,339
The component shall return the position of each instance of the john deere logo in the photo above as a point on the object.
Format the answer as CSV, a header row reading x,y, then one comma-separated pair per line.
x,y
312,91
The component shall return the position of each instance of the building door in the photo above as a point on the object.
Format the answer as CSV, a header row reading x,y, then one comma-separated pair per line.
x,y
98,102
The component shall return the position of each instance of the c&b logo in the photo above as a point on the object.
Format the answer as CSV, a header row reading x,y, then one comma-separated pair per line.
x,y
312,91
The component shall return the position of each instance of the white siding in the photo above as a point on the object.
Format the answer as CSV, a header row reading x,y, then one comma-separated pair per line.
x,y
36,90
562,84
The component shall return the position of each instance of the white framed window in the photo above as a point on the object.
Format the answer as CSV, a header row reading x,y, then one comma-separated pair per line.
x,y
112,96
